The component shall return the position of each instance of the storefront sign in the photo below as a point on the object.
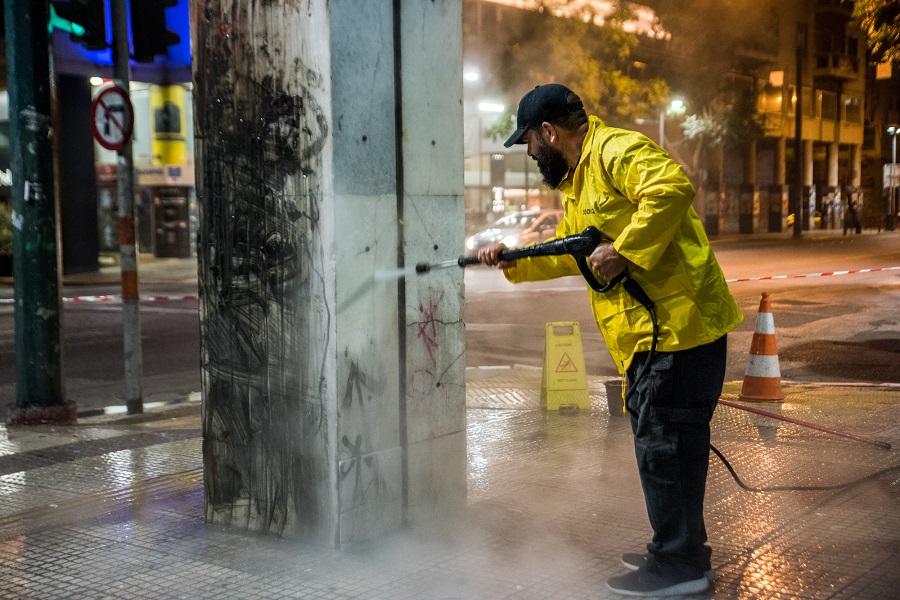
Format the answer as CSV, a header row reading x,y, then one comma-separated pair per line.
x,y
165,175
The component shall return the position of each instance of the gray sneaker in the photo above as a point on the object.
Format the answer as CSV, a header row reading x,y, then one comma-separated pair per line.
x,y
650,581
634,561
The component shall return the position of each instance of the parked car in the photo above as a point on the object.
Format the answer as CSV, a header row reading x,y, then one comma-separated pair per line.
x,y
518,229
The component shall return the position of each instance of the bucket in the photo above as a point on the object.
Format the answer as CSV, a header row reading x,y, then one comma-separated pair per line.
x,y
614,398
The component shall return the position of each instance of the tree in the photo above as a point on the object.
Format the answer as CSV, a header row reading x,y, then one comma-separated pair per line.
x,y
710,62
729,121
880,19
592,60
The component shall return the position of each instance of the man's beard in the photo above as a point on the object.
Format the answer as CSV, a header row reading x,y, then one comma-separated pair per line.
x,y
552,164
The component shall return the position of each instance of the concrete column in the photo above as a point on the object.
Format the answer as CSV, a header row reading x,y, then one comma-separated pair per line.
x,y
832,212
809,189
855,165
808,150
779,193
714,202
854,192
329,153
832,154
780,160
749,195
433,223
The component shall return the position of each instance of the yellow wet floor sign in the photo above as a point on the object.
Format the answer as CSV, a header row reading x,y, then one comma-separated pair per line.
x,y
564,381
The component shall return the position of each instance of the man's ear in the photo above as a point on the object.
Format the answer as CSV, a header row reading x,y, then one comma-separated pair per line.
x,y
549,132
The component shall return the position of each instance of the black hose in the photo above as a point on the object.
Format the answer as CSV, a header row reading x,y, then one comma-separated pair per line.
x,y
797,488
651,355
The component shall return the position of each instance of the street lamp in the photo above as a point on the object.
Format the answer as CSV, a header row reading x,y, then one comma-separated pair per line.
x,y
675,107
892,203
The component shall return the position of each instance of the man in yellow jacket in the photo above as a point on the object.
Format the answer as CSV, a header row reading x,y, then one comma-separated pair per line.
x,y
628,187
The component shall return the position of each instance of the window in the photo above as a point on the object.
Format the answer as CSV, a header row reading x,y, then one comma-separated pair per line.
x,y
852,109
828,105
808,104
770,100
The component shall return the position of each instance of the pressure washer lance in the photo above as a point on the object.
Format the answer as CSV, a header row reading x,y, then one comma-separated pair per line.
x,y
579,245
426,267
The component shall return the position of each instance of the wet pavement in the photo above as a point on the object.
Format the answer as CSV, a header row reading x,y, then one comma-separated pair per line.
x,y
113,508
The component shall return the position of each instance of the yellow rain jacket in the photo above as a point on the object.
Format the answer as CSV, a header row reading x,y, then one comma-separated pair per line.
x,y
627,187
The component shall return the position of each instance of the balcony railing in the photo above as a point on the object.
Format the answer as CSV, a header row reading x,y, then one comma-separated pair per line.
x,y
837,65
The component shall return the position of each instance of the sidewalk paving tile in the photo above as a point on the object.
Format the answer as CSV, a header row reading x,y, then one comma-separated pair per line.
x,y
113,508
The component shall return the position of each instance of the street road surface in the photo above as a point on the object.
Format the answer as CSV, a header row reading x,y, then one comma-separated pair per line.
x,y
830,328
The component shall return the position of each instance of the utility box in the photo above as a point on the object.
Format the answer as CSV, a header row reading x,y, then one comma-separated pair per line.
x,y
171,222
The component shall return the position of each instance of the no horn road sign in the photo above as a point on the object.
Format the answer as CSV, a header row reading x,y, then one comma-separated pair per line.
x,y
112,118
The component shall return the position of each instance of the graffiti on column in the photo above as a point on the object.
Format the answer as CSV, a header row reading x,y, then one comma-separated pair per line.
x,y
429,366
427,329
361,480
261,281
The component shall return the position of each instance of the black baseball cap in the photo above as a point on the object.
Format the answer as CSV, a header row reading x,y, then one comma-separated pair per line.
x,y
543,103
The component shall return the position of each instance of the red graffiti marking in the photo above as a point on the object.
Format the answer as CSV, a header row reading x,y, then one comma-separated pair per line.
x,y
428,329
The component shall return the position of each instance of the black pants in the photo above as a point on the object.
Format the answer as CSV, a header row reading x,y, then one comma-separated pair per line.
x,y
670,413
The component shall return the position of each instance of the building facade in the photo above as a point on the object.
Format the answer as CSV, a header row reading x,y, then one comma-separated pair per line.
x,y
161,95
747,185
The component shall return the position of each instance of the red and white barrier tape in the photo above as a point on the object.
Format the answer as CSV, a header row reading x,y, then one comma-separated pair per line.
x,y
824,274
740,280
115,298
119,298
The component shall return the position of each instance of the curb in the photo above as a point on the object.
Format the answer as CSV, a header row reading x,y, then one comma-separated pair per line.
x,y
152,410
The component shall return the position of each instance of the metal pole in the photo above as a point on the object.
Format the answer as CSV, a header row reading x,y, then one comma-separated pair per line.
x,y
40,395
798,136
481,165
894,207
131,319
662,128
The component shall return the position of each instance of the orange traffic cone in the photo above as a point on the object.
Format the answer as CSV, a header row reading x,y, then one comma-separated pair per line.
x,y
762,380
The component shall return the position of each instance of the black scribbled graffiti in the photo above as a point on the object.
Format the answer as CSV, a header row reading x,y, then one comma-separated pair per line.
x,y
368,483
355,383
264,321
363,483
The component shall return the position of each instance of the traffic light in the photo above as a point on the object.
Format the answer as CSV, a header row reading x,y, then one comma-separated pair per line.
x,y
85,20
149,36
